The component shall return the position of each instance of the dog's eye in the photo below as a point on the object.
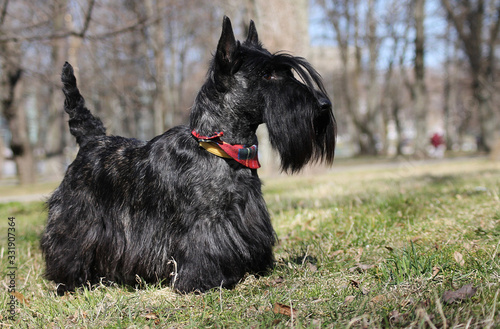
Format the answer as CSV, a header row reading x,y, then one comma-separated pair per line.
x,y
268,76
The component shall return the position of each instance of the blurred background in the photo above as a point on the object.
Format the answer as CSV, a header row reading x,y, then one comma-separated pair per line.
x,y
408,78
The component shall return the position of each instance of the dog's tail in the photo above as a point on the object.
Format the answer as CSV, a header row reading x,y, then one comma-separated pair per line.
x,y
82,124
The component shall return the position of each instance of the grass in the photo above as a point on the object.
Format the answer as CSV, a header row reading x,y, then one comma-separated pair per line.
x,y
358,249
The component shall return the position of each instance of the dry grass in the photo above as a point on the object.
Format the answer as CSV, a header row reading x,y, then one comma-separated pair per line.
x,y
359,247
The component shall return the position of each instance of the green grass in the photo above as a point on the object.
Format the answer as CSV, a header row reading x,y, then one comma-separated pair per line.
x,y
357,248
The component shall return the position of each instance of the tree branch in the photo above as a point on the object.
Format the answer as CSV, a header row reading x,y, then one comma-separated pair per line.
x,y
495,29
4,12
133,26
87,18
490,66
457,21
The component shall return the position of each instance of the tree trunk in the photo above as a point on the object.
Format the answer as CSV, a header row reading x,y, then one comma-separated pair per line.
x,y
157,40
450,90
17,123
479,45
15,116
420,91
487,117
53,140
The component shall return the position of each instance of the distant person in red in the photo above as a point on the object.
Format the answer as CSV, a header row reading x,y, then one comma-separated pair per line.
x,y
437,141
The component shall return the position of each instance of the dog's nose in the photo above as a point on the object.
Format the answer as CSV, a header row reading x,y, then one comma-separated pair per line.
x,y
324,103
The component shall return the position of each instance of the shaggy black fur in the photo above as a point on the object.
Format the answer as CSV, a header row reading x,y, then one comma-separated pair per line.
x,y
168,210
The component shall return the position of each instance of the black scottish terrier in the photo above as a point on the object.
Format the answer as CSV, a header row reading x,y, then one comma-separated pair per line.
x,y
186,207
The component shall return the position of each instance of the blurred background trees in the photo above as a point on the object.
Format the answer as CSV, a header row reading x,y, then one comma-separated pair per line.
x,y
398,71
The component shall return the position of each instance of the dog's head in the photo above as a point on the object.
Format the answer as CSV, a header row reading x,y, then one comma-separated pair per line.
x,y
285,92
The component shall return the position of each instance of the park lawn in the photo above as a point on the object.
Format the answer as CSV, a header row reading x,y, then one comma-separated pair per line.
x,y
364,247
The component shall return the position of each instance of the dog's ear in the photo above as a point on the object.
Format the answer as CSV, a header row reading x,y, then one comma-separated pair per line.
x,y
253,37
227,49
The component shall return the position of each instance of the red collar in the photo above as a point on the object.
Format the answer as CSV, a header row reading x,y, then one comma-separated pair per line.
x,y
244,154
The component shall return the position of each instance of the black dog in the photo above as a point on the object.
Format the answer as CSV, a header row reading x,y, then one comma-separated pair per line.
x,y
186,207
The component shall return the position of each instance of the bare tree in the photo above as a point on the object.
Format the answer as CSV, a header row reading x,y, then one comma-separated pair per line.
x,y
53,137
10,83
14,114
359,88
454,119
477,24
157,43
419,90
397,28
177,31
100,43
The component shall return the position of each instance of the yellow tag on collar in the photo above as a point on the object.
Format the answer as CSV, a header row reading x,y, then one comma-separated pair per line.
x,y
215,149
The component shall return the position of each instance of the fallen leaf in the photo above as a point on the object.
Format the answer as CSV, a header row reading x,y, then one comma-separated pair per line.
x,y
151,316
360,253
337,252
349,299
435,271
377,299
283,309
389,248
312,267
361,267
316,323
278,280
78,314
395,316
415,238
354,283
465,292
459,258
306,226
20,297
364,267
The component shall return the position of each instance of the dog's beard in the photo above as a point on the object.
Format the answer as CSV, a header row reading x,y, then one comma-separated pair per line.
x,y
300,130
